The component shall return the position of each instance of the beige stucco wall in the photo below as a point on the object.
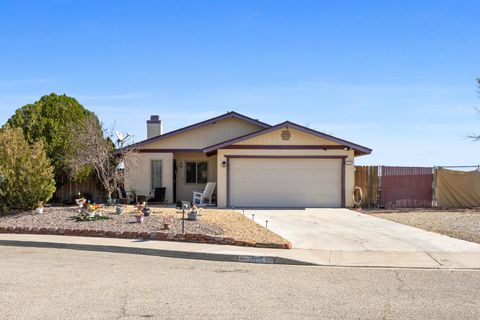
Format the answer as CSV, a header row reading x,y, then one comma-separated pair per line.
x,y
185,190
137,173
206,135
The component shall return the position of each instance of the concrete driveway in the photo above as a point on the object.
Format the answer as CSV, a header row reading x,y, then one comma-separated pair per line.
x,y
348,230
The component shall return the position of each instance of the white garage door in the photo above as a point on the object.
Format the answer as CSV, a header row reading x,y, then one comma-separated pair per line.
x,y
284,182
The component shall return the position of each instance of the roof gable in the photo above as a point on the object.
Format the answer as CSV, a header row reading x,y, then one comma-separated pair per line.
x,y
359,150
228,115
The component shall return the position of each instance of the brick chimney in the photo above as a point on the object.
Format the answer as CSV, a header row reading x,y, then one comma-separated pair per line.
x,y
154,127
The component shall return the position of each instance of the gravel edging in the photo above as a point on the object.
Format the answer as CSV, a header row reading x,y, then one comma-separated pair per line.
x,y
187,237
462,224
213,226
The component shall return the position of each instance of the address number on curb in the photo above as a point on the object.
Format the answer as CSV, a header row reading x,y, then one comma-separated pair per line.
x,y
256,259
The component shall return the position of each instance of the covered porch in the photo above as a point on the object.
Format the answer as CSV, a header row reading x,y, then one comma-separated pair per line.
x,y
180,173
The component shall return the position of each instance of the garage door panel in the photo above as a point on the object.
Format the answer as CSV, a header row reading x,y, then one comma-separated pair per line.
x,y
285,182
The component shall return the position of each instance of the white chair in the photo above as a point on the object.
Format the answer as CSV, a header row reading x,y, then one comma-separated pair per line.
x,y
204,198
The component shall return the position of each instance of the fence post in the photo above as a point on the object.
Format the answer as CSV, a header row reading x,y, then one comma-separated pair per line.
x,y
370,187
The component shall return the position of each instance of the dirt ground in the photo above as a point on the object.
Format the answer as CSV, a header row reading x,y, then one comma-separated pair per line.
x,y
458,223
226,223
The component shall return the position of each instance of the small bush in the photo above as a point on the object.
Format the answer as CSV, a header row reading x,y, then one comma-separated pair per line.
x,y
26,176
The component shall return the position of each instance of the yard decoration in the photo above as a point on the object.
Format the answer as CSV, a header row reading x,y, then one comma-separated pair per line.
x,y
39,208
194,212
90,212
192,216
141,206
80,202
167,222
146,211
119,209
140,217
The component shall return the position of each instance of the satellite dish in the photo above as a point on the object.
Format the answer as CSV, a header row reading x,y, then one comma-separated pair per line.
x,y
121,137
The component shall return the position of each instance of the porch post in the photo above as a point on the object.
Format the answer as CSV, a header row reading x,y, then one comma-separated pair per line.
x,y
228,181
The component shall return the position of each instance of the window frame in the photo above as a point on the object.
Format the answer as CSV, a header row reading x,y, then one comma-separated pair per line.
x,y
196,162
152,188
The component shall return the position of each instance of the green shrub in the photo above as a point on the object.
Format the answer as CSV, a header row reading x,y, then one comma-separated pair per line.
x,y
26,176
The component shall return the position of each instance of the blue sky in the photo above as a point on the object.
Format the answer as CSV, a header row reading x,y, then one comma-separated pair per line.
x,y
396,76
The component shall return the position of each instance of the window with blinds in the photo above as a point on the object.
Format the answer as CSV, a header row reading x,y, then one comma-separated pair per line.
x,y
156,174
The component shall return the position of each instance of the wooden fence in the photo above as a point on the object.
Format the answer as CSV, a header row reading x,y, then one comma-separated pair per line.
x,y
366,178
69,190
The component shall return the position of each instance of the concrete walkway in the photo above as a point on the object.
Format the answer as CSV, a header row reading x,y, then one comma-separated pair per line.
x,y
387,259
348,230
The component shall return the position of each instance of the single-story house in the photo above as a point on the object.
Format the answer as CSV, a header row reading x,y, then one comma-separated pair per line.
x,y
254,164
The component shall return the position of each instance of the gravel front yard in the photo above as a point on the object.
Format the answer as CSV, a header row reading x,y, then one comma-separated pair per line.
x,y
215,222
457,223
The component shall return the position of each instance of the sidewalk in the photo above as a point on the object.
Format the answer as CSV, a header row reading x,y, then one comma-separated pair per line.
x,y
185,250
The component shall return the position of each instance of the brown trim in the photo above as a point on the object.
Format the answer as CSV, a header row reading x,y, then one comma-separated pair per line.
x,y
169,150
343,158
282,157
359,150
231,114
281,147
287,147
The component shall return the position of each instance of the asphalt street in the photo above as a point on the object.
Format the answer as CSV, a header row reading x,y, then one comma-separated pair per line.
x,y
64,284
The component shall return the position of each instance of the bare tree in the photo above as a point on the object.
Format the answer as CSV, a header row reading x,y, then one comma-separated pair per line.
x,y
93,147
476,137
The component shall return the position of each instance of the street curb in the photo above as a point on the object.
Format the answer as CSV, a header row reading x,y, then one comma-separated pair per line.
x,y
158,252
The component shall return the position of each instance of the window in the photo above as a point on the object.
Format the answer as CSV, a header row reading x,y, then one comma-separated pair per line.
x,y
196,172
156,174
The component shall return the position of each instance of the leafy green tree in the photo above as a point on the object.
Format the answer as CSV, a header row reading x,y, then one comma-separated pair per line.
x,y
52,120
26,176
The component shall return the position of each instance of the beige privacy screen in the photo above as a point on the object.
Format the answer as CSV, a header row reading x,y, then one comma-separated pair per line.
x,y
457,189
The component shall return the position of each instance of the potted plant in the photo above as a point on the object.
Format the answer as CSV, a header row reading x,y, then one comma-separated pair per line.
x,y
139,218
167,222
80,201
119,209
192,214
140,206
146,211
39,208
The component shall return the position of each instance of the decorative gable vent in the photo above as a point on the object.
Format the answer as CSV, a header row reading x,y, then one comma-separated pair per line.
x,y
285,135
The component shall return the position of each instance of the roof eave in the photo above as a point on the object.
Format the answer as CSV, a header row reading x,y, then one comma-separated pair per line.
x,y
359,150
231,114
